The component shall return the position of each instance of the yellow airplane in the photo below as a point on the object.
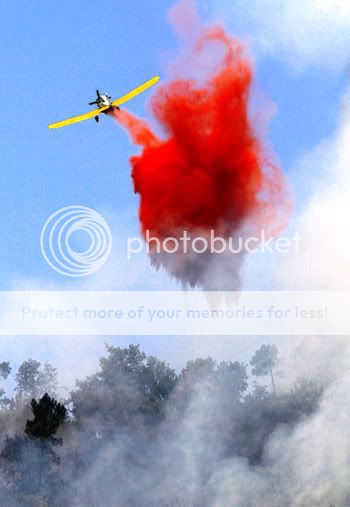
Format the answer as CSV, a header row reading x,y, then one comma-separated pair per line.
x,y
105,104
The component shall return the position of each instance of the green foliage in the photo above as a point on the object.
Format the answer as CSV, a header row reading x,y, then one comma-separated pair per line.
x,y
125,414
48,416
5,370
28,464
264,360
33,379
128,386
226,379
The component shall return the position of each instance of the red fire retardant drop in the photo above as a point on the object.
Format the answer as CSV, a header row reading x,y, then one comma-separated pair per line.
x,y
209,172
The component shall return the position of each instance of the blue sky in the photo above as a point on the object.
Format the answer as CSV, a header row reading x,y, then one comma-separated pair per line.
x,y
57,53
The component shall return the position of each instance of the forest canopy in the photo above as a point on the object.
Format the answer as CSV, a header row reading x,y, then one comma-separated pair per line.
x,y
125,434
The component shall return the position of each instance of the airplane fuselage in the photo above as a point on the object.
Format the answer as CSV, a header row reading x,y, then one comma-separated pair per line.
x,y
103,101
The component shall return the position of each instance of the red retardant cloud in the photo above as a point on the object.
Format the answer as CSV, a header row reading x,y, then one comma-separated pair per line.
x,y
210,171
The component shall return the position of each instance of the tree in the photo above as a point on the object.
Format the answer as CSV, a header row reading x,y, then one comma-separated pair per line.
x,y
128,388
265,411
198,370
305,397
27,378
264,362
33,379
5,371
233,378
48,416
28,463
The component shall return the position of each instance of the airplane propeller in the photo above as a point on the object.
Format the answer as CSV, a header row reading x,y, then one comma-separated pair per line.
x,y
95,101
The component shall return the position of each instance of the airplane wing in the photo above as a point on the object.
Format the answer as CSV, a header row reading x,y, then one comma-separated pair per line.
x,y
80,117
136,91
117,102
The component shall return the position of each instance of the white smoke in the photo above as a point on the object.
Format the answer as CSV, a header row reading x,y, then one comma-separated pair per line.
x,y
303,33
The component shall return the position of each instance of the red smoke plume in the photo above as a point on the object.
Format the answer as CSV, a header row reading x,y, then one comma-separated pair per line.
x,y
210,171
